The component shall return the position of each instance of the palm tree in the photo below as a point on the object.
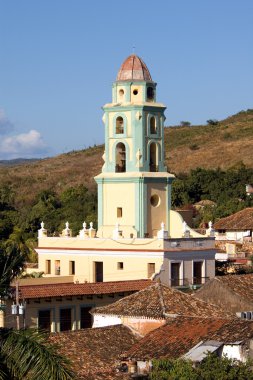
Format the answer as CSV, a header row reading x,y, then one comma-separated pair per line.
x,y
25,354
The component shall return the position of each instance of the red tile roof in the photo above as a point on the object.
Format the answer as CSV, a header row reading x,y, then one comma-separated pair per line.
x,y
241,285
71,289
93,352
241,220
157,301
180,334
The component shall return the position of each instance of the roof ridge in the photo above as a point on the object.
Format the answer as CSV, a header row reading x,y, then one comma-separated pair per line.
x,y
161,298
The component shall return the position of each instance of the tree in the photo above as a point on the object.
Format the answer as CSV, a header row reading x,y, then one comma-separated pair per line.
x,y
211,368
185,123
25,354
212,122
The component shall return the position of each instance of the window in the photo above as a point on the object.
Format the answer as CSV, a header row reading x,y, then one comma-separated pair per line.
x,y
120,265
155,200
57,267
121,93
65,319
119,212
153,130
99,273
153,167
48,266
197,272
72,267
150,93
151,269
135,91
120,158
44,320
175,274
85,317
119,125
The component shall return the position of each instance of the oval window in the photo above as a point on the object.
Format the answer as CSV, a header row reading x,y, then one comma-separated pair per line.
x,y
155,200
135,92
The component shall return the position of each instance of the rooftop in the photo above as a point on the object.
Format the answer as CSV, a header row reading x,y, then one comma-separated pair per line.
x,y
93,351
242,285
179,335
71,289
241,220
159,301
133,68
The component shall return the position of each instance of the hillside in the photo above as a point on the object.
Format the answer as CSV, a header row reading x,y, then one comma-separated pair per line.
x,y
222,145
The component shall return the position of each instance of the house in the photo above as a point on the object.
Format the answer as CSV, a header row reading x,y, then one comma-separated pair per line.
x,y
192,338
136,226
236,227
62,306
94,352
232,293
149,308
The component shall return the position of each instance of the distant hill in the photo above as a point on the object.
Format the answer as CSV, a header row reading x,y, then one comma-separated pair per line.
x,y
208,146
17,161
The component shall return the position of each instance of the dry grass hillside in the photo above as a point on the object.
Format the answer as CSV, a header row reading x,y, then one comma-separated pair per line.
x,y
222,145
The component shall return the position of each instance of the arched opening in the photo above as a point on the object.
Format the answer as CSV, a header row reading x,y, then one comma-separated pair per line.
x,y
119,125
121,94
150,93
152,125
120,166
153,164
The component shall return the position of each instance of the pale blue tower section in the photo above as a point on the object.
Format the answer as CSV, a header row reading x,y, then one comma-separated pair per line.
x,y
134,157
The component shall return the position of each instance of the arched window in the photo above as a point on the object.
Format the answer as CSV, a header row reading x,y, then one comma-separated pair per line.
x,y
153,125
153,164
150,93
119,125
120,166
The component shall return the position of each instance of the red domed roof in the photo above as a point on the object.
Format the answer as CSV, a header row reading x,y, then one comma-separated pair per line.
x,y
133,68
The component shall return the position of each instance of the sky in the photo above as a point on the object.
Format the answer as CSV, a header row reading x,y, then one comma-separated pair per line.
x,y
59,58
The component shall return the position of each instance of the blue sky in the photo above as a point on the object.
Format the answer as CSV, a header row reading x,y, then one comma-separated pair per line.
x,y
59,58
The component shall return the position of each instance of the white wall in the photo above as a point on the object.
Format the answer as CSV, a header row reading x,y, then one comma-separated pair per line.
x,y
100,320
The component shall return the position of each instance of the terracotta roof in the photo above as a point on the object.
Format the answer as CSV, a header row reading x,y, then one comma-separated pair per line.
x,y
71,289
93,352
133,68
242,285
179,335
157,301
241,220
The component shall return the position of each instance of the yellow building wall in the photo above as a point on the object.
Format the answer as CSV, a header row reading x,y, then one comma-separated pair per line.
x,y
139,97
176,226
135,264
156,214
54,305
119,195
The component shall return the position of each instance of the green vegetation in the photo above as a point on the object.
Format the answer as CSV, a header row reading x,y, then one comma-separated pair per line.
x,y
225,188
211,368
25,354
62,188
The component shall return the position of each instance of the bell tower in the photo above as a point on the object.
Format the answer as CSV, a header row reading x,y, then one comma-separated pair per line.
x,y
134,188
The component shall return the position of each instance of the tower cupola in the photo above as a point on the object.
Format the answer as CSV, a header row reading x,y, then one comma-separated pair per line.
x,y
133,68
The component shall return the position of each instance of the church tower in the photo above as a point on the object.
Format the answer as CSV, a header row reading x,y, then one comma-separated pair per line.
x,y
134,188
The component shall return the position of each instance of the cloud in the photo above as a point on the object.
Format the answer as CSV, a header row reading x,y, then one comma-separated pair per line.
x,y
6,126
28,144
